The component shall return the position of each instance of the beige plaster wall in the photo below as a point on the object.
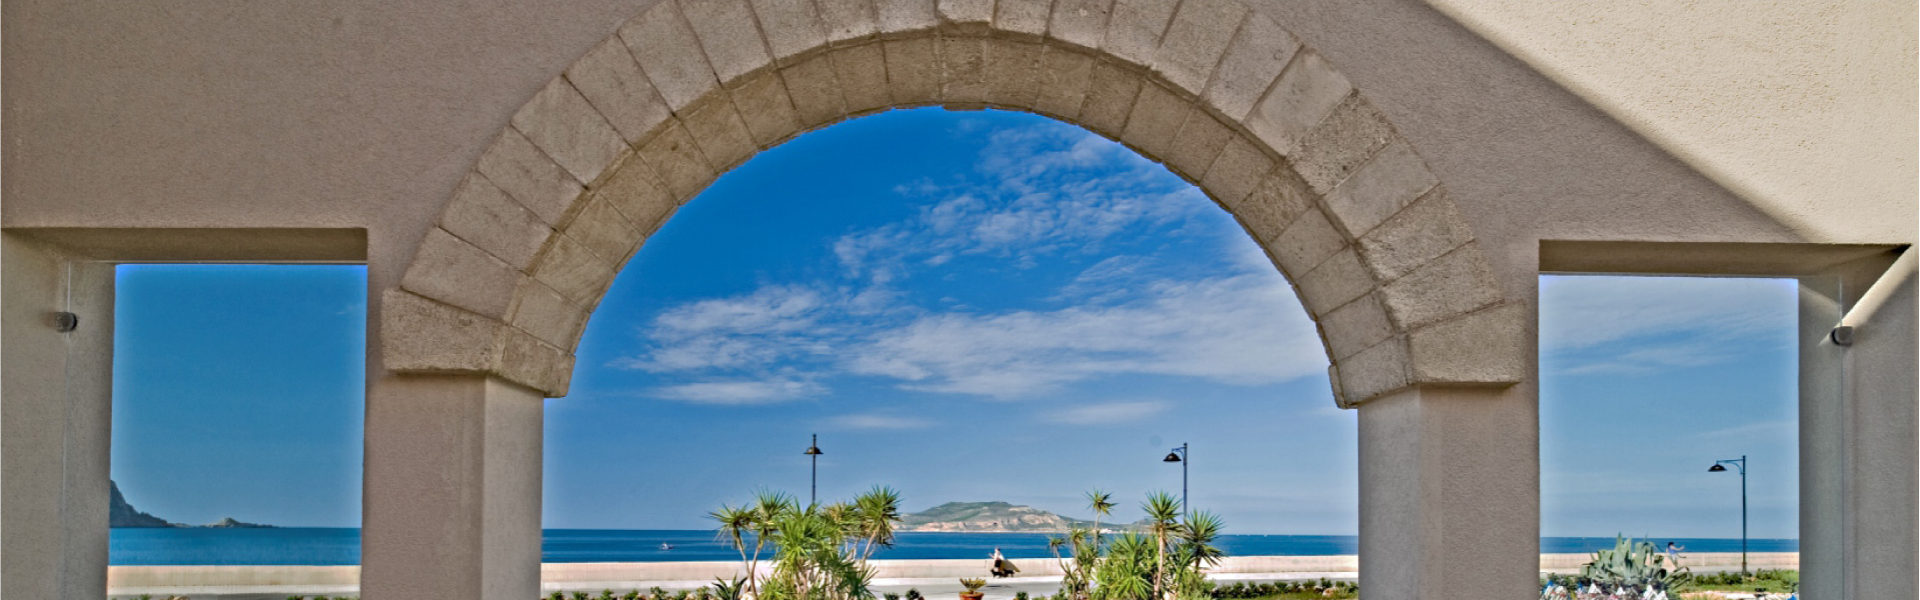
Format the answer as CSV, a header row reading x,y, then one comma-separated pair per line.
x,y
1804,107
365,114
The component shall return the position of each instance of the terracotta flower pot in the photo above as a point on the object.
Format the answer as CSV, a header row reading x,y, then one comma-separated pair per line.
x,y
972,595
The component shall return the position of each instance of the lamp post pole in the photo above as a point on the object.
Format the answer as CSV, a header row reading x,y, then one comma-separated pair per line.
x,y
1719,466
813,451
1179,455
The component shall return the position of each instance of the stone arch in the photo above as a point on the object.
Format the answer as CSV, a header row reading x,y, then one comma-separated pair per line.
x,y
1224,96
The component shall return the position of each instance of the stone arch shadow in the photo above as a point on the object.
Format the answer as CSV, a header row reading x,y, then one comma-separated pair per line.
x,y
603,154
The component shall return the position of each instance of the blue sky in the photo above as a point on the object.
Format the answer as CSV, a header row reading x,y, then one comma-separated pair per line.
x,y
965,306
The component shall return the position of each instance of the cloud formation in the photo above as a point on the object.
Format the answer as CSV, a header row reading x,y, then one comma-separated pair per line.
x,y
1040,191
1594,325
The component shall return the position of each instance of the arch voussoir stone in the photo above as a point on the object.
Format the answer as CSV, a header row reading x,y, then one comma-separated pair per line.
x,y
1221,94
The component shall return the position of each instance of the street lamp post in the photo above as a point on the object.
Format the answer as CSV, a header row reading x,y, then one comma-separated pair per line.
x,y
813,451
1720,466
1179,455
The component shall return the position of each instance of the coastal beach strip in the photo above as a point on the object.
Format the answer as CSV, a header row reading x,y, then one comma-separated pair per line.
x,y
232,581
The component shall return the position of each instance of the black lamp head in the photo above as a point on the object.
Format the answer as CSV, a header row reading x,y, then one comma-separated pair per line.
x,y
1716,468
813,450
1171,457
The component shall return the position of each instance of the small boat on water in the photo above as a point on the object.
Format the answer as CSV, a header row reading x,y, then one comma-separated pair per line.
x,y
666,546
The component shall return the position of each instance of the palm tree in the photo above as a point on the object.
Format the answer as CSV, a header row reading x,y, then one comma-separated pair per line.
x,y
1102,504
1198,533
735,523
876,511
1163,520
768,508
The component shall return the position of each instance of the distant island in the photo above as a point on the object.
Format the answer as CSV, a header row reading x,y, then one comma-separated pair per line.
x,y
122,514
992,517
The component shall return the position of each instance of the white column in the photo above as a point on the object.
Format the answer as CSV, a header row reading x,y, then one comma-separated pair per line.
x,y
1450,494
56,407
1859,426
452,496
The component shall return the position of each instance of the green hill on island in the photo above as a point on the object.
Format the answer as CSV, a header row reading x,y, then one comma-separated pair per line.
x,y
120,513
987,517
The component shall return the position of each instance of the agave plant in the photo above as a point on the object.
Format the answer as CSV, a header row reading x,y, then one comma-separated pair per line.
x,y
1639,565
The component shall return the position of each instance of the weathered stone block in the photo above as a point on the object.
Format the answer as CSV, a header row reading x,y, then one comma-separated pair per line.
x,y
720,133
528,175
1200,140
528,361
1341,143
906,16
1380,188
448,269
670,54
1455,284
678,161
602,229
1306,243
1134,28
1082,23
763,104
539,310
815,91
418,335
1336,281
966,14
1279,200
913,70
1375,371
1065,75
609,79
1308,90
1356,326
963,62
862,71
1013,73
1484,347
561,123
727,31
849,20
1253,60
1424,231
1237,170
485,216
1156,118
1110,96
1023,17
790,26
1195,41
576,272
637,191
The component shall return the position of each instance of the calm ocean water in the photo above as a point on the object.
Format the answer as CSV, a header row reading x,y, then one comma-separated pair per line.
x,y
339,546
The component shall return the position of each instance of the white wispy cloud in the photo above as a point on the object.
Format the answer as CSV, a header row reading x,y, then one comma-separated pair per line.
x,y
1244,329
741,392
1591,325
1108,413
1046,190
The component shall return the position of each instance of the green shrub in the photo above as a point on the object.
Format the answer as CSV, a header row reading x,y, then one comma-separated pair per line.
x,y
1020,596
914,594
892,596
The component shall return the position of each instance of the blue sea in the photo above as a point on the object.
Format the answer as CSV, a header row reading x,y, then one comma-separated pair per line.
x,y
341,546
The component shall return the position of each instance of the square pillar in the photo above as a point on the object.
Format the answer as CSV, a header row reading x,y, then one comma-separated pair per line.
x,y
1859,426
1450,493
56,414
451,507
